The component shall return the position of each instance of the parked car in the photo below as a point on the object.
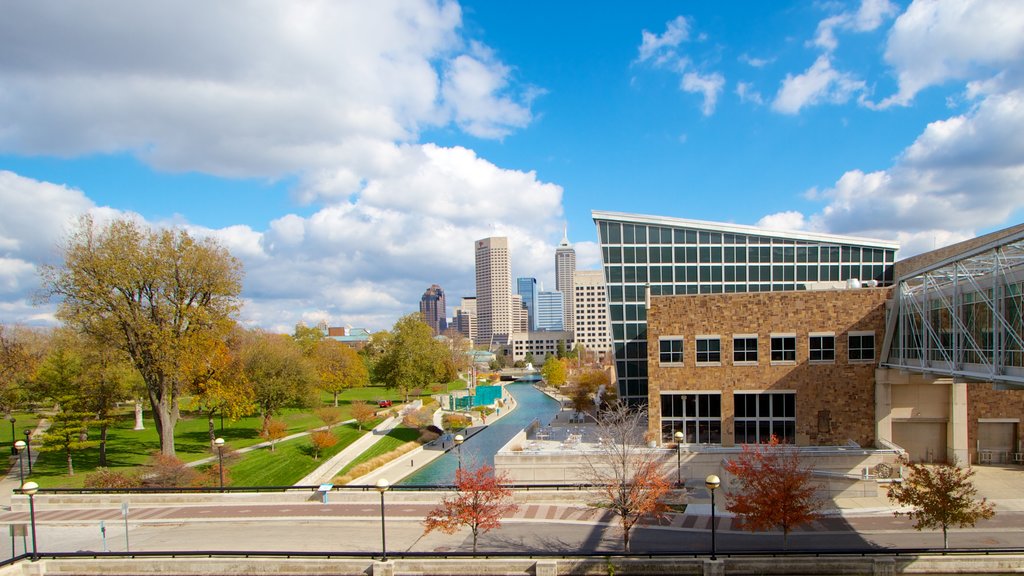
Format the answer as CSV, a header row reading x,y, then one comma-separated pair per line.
x,y
384,403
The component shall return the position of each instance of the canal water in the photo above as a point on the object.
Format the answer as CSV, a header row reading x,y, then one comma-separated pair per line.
x,y
479,449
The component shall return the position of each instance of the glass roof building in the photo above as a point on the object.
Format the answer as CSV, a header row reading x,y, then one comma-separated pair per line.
x,y
659,255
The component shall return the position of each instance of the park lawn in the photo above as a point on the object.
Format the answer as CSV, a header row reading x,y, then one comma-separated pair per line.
x,y
22,421
371,394
395,438
289,462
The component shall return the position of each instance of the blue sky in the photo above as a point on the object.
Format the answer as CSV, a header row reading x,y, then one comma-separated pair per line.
x,y
349,153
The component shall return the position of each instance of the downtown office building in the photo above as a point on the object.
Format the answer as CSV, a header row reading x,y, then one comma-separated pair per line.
x,y
647,256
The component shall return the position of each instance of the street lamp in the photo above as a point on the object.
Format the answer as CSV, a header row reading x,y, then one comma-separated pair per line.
x,y
382,487
31,488
679,461
18,447
14,436
219,442
459,439
28,447
712,482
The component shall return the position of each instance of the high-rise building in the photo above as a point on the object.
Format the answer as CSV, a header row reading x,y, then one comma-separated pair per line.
x,y
661,256
464,317
565,272
520,315
493,289
432,307
549,311
592,331
527,288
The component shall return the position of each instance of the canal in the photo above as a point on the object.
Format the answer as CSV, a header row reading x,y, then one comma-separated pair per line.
x,y
480,448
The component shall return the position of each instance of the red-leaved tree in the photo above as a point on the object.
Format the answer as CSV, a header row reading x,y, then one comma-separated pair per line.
x,y
479,504
775,490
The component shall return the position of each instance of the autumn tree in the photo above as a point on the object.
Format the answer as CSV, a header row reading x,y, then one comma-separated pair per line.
x,y
940,496
338,367
629,477
107,378
20,354
322,440
307,337
273,431
456,359
554,371
585,388
363,413
479,503
159,295
329,415
279,373
774,489
218,382
412,358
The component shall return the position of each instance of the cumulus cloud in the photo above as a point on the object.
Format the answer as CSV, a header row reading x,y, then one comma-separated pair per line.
x,y
935,42
820,83
869,16
748,93
789,220
709,86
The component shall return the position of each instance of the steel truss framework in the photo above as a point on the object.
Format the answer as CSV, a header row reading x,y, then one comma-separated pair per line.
x,y
962,317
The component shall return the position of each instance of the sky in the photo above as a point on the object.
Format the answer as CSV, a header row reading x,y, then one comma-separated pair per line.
x,y
350,152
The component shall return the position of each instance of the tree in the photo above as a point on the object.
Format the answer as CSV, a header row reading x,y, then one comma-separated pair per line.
x,y
278,371
457,348
322,440
219,384
18,361
628,476
68,432
412,357
479,503
107,378
941,495
560,349
775,489
554,371
329,415
363,413
158,295
338,367
307,337
586,386
273,431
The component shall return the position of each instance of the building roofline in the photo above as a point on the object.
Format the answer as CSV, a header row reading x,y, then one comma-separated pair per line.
x,y
742,229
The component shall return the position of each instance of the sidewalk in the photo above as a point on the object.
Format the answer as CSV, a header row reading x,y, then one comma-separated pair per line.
x,y
12,481
326,471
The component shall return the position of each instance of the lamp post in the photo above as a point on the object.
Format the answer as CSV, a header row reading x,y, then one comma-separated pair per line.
x,y
31,488
459,439
219,442
18,447
14,436
382,487
28,447
712,482
679,459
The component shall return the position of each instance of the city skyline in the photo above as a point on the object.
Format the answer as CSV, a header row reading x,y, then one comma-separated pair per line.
x,y
347,153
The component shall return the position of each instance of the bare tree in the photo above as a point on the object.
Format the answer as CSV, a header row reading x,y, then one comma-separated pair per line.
x,y
629,477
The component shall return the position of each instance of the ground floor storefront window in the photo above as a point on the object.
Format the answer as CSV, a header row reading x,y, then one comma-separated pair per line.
x,y
697,415
761,415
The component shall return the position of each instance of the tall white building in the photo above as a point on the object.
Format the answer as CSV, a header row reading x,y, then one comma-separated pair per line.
x,y
493,289
550,315
464,317
565,273
592,329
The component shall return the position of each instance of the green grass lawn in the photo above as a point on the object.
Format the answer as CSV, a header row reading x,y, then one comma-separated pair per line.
x,y
393,440
22,422
289,462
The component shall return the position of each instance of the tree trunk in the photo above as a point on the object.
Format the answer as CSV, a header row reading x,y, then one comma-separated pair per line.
x,y
945,537
209,421
475,531
335,399
138,415
103,444
71,469
165,416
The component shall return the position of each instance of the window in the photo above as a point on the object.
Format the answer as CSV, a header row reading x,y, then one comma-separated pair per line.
x,y
709,350
744,349
822,348
783,348
862,346
670,350
761,415
697,416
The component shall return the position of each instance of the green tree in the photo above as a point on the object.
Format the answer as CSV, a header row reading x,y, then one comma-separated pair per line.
x,y
68,431
940,496
307,337
158,295
338,367
218,383
107,378
412,357
560,349
554,371
279,373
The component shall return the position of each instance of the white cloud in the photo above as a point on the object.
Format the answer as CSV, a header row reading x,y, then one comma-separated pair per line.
x,y
935,42
747,93
818,84
662,47
709,86
755,62
475,87
870,15
789,220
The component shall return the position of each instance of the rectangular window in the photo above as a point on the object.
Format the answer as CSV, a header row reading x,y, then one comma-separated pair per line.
x,y
697,416
783,348
744,349
862,346
822,348
670,350
709,350
761,415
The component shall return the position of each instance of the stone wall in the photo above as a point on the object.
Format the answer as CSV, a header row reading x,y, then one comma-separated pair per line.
x,y
834,401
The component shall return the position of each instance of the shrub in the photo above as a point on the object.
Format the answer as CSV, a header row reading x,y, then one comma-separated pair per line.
x,y
106,478
166,471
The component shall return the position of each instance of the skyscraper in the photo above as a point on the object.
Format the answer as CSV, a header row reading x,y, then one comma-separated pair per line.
x,y
565,280
549,311
493,289
464,317
592,332
527,288
432,307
